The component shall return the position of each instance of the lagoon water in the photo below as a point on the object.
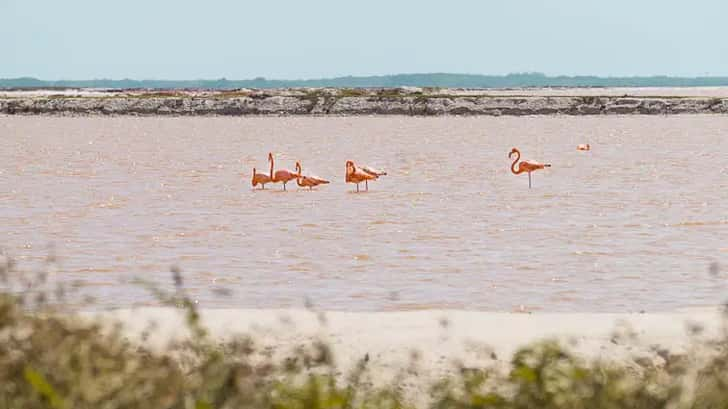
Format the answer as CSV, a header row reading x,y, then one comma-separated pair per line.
x,y
638,223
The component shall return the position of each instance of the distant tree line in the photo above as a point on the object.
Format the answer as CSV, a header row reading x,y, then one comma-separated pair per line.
x,y
384,81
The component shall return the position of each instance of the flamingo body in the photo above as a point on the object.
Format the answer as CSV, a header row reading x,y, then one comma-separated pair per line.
x,y
308,181
260,178
525,166
354,175
282,175
373,171
583,147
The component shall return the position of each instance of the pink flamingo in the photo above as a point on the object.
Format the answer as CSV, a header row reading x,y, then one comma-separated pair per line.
x,y
354,175
525,166
262,178
308,181
283,175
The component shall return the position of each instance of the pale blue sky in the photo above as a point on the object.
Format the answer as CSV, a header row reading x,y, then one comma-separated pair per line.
x,y
181,39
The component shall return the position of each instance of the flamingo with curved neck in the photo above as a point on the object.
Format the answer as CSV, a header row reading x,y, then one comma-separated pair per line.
x,y
354,175
525,166
308,181
261,178
282,175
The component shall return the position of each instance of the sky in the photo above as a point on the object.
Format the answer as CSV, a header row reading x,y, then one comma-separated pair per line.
x,y
296,39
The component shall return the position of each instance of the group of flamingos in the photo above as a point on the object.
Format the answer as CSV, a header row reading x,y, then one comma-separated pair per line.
x,y
364,174
354,174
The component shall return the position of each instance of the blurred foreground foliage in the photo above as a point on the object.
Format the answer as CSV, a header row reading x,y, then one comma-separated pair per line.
x,y
55,359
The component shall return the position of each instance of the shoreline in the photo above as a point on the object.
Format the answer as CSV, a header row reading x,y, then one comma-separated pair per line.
x,y
432,343
514,329
349,102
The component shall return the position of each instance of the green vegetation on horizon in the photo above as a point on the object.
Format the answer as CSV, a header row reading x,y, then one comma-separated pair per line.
x,y
443,80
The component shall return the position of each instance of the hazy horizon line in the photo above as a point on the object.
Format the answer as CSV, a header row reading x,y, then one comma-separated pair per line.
x,y
426,80
262,77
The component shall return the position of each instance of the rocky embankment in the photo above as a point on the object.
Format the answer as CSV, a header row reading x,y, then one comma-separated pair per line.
x,y
395,101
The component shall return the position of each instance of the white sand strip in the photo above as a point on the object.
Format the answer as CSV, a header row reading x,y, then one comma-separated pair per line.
x,y
452,334
439,337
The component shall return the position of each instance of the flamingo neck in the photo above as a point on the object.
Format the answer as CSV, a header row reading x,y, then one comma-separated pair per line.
x,y
270,158
298,179
513,165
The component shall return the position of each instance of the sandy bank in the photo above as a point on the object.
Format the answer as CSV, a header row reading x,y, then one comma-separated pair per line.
x,y
434,331
440,338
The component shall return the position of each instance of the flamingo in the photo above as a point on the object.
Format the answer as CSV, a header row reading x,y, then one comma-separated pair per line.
x,y
309,181
261,178
525,166
583,147
372,171
283,175
353,175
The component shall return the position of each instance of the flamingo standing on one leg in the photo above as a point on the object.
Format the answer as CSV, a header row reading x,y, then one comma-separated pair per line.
x,y
525,166
353,175
583,147
261,178
308,181
283,175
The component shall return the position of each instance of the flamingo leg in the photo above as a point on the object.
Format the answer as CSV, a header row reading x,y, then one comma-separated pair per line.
x,y
366,183
284,184
357,188
529,180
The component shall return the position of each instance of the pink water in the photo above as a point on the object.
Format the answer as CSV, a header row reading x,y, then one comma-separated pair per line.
x,y
632,225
